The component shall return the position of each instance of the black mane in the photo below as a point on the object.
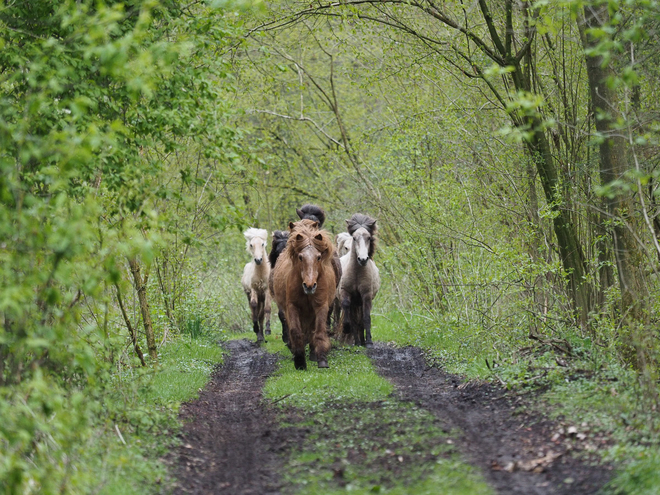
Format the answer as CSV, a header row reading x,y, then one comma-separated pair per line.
x,y
280,238
312,212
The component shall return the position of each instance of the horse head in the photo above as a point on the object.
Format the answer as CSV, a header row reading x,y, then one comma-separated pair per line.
x,y
362,229
309,249
344,243
256,243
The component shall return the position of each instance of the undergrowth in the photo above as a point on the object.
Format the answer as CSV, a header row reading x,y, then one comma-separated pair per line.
x,y
140,423
585,388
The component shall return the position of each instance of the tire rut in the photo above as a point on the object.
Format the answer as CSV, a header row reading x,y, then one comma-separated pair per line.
x,y
231,442
493,437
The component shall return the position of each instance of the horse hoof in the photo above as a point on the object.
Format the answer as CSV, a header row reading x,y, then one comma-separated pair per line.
x,y
323,363
268,331
369,345
299,362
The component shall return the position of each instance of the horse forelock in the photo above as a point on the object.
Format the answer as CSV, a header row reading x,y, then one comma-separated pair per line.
x,y
303,235
360,221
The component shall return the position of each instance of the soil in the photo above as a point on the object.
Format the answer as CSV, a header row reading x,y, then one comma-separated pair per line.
x,y
519,452
232,443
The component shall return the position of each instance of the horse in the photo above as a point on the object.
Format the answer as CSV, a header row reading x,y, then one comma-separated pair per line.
x,y
304,285
344,242
316,213
278,245
255,281
312,212
360,281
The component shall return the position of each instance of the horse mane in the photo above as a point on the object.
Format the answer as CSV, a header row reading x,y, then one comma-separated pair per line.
x,y
251,233
358,221
312,212
280,238
305,233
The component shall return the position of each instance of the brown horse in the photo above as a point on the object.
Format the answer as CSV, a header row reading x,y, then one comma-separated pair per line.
x,y
316,213
304,285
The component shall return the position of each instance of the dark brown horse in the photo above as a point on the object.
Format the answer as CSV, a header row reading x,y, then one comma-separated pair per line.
x,y
278,245
304,285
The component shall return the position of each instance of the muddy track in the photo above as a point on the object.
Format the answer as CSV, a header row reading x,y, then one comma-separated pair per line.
x,y
514,451
230,440
232,443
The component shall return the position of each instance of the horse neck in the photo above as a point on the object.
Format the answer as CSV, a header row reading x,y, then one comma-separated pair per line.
x,y
261,271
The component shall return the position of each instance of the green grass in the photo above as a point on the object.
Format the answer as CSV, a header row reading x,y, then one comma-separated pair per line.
x,y
144,410
356,428
458,349
350,377
610,404
378,447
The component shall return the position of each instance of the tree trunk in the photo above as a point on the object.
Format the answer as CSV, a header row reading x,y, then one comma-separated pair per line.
x,y
141,287
131,331
613,159
570,249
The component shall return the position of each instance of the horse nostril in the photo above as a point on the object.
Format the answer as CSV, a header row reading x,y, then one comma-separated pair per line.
x,y
258,261
314,286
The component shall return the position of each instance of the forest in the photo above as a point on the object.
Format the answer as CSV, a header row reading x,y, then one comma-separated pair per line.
x,y
508,151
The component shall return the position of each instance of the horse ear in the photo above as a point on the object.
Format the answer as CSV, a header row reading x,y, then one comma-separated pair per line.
x,y
291,225
318,237
315,225
300,212
299,237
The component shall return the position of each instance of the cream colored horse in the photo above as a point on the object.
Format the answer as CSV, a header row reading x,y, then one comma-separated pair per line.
x,y
255,281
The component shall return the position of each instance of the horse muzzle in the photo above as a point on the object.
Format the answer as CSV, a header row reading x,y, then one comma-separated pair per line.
x,y
363,261
309,290
258,261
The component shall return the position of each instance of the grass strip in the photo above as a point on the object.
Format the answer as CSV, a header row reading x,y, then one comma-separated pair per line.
x,y
358,438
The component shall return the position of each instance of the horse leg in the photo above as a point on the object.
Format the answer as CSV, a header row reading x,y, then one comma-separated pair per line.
x,y
312,352
254,306
296,339
261,316
285,328
336,307
267,308
367,304
356,323
320,338
346,308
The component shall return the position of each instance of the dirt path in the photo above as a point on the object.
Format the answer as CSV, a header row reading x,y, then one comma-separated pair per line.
x,y
233,444
515,451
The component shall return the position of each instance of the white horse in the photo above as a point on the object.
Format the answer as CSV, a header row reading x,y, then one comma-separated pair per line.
x,y
360,280
255,281
344,242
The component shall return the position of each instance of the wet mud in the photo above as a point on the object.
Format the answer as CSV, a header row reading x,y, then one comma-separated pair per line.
x,y
519,452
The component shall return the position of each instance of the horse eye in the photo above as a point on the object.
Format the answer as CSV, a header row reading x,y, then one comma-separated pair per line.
x,y
300,257
318,258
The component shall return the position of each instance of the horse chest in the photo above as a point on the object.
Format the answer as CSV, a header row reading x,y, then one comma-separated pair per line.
x,y
259,284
